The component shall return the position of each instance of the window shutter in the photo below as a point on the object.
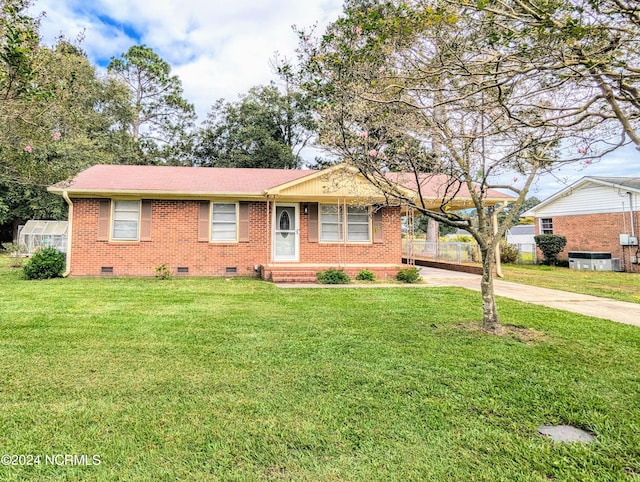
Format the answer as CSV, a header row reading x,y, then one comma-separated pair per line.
x,y
243,226
313,222
203,221
145,220
104,214
378,234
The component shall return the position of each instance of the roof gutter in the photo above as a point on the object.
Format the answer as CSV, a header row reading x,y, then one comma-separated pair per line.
x,y
615,185
67,270
143,194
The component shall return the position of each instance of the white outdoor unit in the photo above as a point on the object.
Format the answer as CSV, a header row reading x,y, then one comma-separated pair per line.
x,y
626,240
615,264
592,261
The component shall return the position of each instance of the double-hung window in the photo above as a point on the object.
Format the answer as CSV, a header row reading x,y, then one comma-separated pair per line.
x,y
546,226
331,223
358,224
224,222
125,220
338,223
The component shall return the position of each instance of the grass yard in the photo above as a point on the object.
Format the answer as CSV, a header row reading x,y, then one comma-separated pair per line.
x,y
608,284
207,379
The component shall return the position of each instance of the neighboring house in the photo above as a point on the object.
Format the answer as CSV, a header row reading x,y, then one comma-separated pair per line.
x,y
521,234
595,214
278,224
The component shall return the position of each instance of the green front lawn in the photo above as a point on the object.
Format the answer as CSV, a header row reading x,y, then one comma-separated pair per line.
x,y
208,379
608,284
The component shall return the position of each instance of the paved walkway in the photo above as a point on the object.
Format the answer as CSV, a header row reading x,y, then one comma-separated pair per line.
x,y
620,311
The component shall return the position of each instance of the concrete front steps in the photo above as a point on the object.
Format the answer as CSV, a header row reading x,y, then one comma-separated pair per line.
x,y
308,273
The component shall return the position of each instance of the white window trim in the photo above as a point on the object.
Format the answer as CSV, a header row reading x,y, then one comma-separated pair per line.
x,y
542,228
343,221
223,241
112,220
340,223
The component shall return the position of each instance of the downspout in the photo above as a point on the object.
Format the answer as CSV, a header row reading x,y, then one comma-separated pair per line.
x,y
624,230
633,226
69,234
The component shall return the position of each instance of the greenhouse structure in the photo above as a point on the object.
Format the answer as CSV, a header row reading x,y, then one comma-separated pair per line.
x,y
40,234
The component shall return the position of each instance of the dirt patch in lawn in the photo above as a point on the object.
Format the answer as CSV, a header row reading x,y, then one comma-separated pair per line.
x,y
525,335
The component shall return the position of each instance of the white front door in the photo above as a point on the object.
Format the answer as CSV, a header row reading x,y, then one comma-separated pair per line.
x,y
285,233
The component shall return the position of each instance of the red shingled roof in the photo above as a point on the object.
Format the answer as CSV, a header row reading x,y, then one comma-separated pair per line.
x,y
438,186
170,180
108,178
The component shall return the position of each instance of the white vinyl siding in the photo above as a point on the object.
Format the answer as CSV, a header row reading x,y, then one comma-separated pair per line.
x,y
588,199
125,220
333,228
224,222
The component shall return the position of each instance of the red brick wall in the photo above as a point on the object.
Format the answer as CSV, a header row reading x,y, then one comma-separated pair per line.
x,y
595,232
174,242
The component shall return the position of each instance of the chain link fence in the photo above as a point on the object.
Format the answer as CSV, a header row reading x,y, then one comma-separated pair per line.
x,y
451,252
458,252
527,254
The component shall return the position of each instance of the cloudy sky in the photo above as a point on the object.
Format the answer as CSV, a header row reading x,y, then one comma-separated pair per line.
x,y
624,162
221,48
218,48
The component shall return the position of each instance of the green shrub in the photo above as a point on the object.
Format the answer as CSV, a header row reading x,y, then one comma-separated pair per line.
x,y
550,245
408,275
509,253
44,264
366,275
459,238
162,271
333,277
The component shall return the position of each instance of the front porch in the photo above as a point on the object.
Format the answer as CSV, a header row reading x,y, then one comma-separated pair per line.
x,y
307,272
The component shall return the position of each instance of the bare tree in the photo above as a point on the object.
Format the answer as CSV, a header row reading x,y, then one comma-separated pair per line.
x,y
592,44
421,95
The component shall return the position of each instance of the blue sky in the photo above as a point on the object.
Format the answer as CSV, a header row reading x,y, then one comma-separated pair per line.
x,y
624,162
218,48
221,48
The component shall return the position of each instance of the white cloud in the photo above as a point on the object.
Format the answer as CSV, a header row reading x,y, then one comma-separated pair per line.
x,y
221,48
624,162
218,48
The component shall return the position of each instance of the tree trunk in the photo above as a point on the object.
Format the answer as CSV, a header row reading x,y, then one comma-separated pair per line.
x,y
136,130
490,322
15,226
433,230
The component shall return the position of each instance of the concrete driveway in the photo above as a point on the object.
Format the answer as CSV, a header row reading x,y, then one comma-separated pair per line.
x,y
619,311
